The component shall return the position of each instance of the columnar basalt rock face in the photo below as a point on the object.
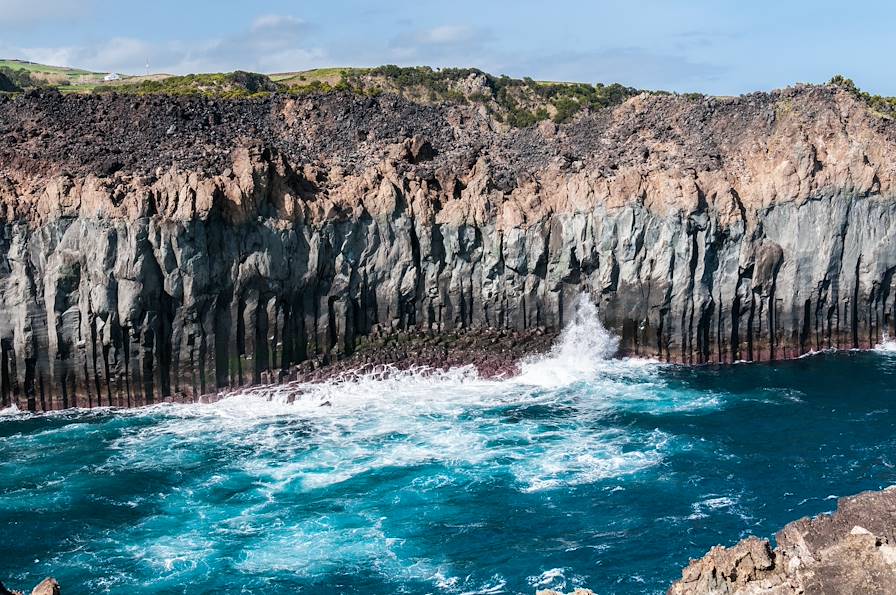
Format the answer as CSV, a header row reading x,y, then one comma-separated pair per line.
x,y
168,246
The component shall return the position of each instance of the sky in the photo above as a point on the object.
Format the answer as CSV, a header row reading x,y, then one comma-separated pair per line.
x,y
721,47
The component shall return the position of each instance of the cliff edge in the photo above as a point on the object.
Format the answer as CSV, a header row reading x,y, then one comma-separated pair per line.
x,y
852,550
158,247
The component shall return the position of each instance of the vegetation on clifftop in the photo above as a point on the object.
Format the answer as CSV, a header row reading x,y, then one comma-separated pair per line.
x,y
519,102
885,106
235,85
515,102
6,85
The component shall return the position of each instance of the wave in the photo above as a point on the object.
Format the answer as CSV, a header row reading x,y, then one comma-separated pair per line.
x,y
9,411
886,345
543,426
323,465
583,349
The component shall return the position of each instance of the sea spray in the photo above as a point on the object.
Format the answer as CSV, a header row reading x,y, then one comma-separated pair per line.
x,y
887,344
583,346
583,350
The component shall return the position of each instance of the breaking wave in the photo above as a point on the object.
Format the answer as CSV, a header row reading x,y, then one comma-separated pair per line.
x,y
402,418
311,479
886,345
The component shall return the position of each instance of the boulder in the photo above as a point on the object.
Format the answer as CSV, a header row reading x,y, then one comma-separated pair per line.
x,y
48,586
852,550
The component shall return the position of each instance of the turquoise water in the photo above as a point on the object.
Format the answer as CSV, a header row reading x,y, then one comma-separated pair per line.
x,y
582,472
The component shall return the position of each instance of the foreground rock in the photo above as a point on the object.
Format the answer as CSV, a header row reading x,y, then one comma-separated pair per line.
x,y
48,586
169,247
850,551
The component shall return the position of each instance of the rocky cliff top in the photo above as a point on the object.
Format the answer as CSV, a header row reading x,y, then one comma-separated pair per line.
x,y
117,155
852,550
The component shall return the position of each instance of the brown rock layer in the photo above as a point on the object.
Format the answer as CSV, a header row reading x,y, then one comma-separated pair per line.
x,y
173,247
48,586
850,551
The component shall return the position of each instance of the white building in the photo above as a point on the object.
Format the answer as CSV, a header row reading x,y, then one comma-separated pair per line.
x,y
112,76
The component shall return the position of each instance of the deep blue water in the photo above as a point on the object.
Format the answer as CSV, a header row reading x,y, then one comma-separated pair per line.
x,y
584,472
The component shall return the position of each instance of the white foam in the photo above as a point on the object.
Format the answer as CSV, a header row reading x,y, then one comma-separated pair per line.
x,y
886,345
338,430
584,347
272,442
9,411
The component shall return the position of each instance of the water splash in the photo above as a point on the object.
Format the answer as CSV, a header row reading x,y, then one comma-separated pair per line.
x,y
886,345
274,448
9,411
583,349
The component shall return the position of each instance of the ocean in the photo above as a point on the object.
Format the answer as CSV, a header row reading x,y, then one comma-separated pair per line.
x,y
583,471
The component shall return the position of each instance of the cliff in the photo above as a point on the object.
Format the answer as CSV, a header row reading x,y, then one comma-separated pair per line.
x,y
849,551
173,246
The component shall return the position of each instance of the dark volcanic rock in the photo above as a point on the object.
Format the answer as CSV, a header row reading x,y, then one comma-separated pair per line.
x,y
850,551
172,247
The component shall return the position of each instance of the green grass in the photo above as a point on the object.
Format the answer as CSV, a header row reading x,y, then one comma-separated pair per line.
x,y
33,67
332,76
318,79
227,85
68,80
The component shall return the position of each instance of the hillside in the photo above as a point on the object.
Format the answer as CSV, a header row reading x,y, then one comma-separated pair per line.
x,y
29,75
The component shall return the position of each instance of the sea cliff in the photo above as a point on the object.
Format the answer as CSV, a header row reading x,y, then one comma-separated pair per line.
x,y
171,247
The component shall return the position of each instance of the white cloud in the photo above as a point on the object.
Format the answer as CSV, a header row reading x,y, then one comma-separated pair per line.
x,y
268,22
455,45
271,43
31,12
446,34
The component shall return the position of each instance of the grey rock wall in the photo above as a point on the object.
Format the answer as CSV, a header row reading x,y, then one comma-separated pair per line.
x,y
98,311
139,265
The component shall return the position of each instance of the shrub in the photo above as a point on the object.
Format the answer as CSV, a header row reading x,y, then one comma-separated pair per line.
x,y
882,105
21,78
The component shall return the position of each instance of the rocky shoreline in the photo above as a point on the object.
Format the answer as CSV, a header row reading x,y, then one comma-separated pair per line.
x,y
48,586
852,550
491,354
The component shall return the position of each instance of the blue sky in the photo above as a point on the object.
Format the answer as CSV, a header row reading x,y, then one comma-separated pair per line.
x,y
721,47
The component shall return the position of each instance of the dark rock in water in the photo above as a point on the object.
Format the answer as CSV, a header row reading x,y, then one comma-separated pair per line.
x,y
170,248
852,550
